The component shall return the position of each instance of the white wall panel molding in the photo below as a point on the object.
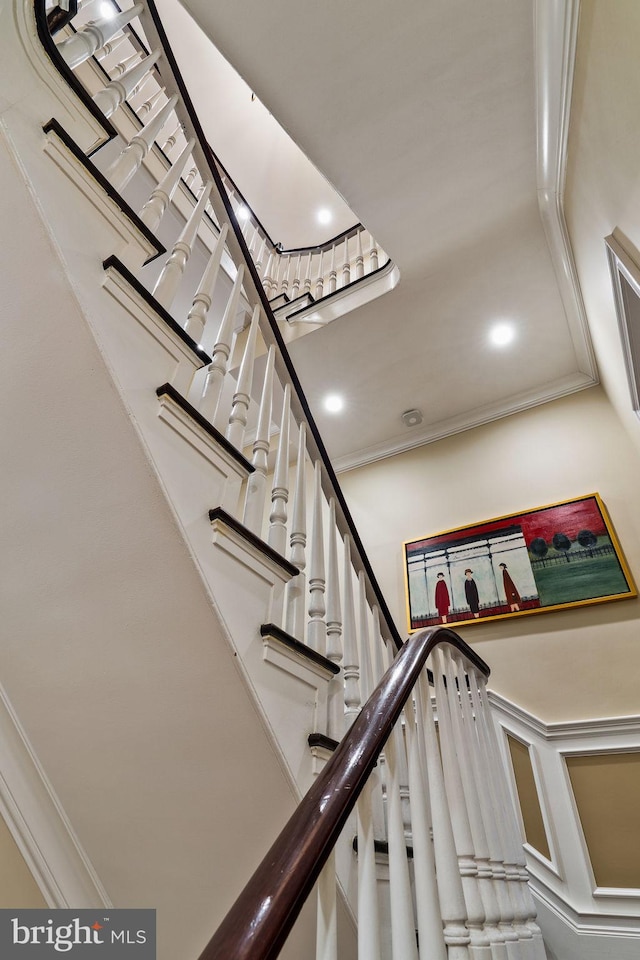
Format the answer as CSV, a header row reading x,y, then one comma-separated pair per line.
x,y
39,825
556,30
566,885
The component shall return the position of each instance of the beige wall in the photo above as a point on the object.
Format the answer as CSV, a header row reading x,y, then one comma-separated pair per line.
x,y
606,788
534,830
573,664
603,174
17,886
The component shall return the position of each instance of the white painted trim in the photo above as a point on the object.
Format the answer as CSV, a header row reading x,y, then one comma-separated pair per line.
x,y
280,655
184,360
131,245
567,886
39,825
555,37
609,727
584,923
467,421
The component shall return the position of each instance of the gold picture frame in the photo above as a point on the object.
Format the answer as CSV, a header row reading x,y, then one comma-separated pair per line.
x,y
554,557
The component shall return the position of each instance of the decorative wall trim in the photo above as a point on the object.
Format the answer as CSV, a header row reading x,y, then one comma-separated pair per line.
x,y
567,884
555,37
39,825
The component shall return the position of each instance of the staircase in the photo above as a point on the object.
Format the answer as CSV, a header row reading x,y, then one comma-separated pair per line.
x,y
244,655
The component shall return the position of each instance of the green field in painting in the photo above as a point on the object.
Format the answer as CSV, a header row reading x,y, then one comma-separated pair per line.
x,y
582,579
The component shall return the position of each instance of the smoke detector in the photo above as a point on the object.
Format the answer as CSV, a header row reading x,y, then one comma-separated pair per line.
x,y
411,418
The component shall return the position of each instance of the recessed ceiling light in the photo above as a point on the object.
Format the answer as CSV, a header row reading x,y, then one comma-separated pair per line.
x,y
324,216
501,334
333,403
108,11
242,213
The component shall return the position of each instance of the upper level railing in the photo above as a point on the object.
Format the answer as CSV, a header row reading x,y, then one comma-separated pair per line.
x,y
298,277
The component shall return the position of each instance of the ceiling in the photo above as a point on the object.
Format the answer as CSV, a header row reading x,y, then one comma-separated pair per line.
x,y
423,116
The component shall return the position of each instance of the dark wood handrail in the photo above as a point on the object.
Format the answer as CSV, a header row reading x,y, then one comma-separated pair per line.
x,y
260,920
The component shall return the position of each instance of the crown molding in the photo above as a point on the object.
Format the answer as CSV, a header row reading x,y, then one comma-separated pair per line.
x,y
555,39
607,727
467,421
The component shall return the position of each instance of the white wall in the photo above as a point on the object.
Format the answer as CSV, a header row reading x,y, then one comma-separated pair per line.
x,y
571,664
603,184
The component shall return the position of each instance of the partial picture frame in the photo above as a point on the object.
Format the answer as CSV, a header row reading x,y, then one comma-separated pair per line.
x,y
554,557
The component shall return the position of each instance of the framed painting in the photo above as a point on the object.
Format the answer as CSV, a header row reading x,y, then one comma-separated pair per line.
x,y
549,558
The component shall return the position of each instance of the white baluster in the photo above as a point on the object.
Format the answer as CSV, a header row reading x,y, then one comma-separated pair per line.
x,y
124,65
155,207
327,915
280,491
487,797
116,92
201,305
473,793
359,256
450,892
172,272
193,173
217,369
368,914
351,668
149,104
480,948
403,931
346,267
260,256
428,914
295,286
257,482
373,256
284,286
242,397
515,866
335,705
295,591
317,630
306,284
367,683
333,275
267,281
320,278
109,48
83,44
171,140
125,166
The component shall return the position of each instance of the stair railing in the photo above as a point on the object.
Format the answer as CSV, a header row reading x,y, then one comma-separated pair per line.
x,y
123,70
472,901
298,277
443,823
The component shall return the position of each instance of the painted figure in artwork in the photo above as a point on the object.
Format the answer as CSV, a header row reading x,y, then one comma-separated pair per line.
x,y
513,597
442,598
471,593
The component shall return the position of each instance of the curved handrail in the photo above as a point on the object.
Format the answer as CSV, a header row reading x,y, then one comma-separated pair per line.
x,y
253,285
263,915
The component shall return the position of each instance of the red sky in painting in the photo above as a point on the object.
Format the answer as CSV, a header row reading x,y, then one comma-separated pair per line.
x,y
568,518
